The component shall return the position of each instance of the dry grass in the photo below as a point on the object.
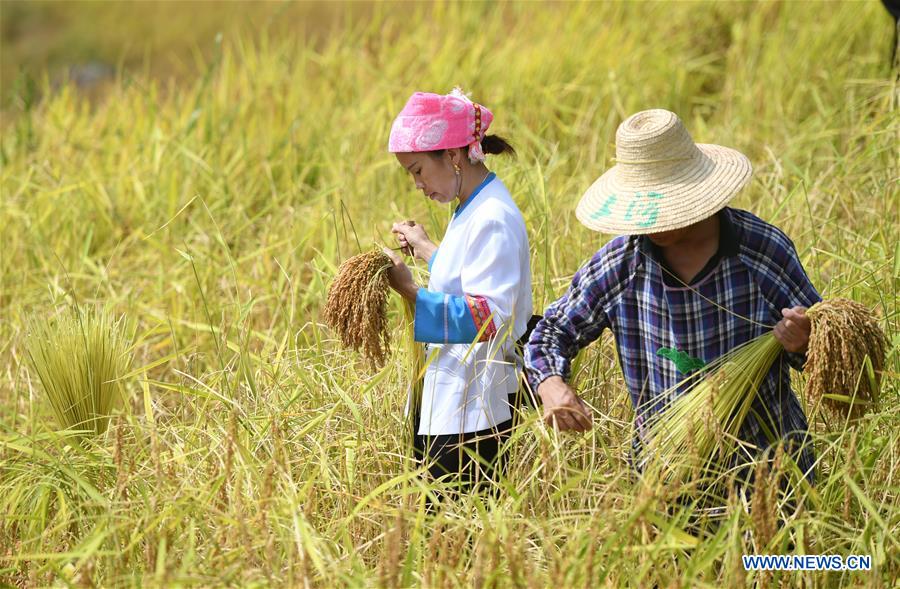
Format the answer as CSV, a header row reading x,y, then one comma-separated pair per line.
x,y
845,358
356,308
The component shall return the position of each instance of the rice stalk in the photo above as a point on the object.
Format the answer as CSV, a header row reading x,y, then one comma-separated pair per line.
x,y
845,358
414,354
356,306
80,358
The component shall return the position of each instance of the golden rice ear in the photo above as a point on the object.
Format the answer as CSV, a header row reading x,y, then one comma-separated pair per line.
x,y
356,306
845,357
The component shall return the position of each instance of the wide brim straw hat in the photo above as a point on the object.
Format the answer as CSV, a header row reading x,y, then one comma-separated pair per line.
x,y
662,180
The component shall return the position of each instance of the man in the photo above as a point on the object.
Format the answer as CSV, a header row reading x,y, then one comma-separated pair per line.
x,y
689,280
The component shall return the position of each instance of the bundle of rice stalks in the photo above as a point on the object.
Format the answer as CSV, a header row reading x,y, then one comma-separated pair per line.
x,y
845,357
686,435
845,345
79,359
356,308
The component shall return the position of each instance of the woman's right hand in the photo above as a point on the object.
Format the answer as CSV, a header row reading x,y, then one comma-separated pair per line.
x,y
413,240
562,407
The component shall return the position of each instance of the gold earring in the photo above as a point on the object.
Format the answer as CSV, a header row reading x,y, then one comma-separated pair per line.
x,y
456,167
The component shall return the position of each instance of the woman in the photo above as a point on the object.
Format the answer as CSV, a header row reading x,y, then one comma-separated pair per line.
x,y
478,300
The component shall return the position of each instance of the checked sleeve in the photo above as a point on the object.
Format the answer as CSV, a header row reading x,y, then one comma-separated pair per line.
x,y
779,274
578,317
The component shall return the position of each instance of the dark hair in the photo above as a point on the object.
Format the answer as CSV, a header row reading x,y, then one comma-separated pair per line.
x,y
491,144
494,144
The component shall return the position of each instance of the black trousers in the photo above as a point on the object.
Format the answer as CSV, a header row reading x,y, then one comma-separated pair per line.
x,y
468,460
474,458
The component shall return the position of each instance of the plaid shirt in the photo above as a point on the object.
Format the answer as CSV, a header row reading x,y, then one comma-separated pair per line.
x,y
623,288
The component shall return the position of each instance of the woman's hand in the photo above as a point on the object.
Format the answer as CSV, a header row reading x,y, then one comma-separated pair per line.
x,y
413,240
399,276
562,407
793,331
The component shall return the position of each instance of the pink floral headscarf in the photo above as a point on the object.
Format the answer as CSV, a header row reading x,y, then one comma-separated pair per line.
x,y
431,122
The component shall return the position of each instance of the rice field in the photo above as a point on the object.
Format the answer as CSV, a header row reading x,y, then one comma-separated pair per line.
x,y
211,202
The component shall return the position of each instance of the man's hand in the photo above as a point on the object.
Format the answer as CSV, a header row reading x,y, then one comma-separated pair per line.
x,y
793,331
562,407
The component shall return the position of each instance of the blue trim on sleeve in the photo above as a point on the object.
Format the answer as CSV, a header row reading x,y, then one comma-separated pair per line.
x,y
443,319
472,196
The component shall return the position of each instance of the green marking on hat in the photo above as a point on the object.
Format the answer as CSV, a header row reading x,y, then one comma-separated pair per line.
x,y
604,209
683,361
643,209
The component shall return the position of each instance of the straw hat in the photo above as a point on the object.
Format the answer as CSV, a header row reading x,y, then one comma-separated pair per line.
x,y
662,180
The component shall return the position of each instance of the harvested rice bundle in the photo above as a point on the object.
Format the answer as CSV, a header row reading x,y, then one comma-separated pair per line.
x,y
80,359
845,357
844,341
686,435
356,305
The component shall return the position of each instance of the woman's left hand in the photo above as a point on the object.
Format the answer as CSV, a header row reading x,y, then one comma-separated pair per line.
x,y
413,239
793,330
400,277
